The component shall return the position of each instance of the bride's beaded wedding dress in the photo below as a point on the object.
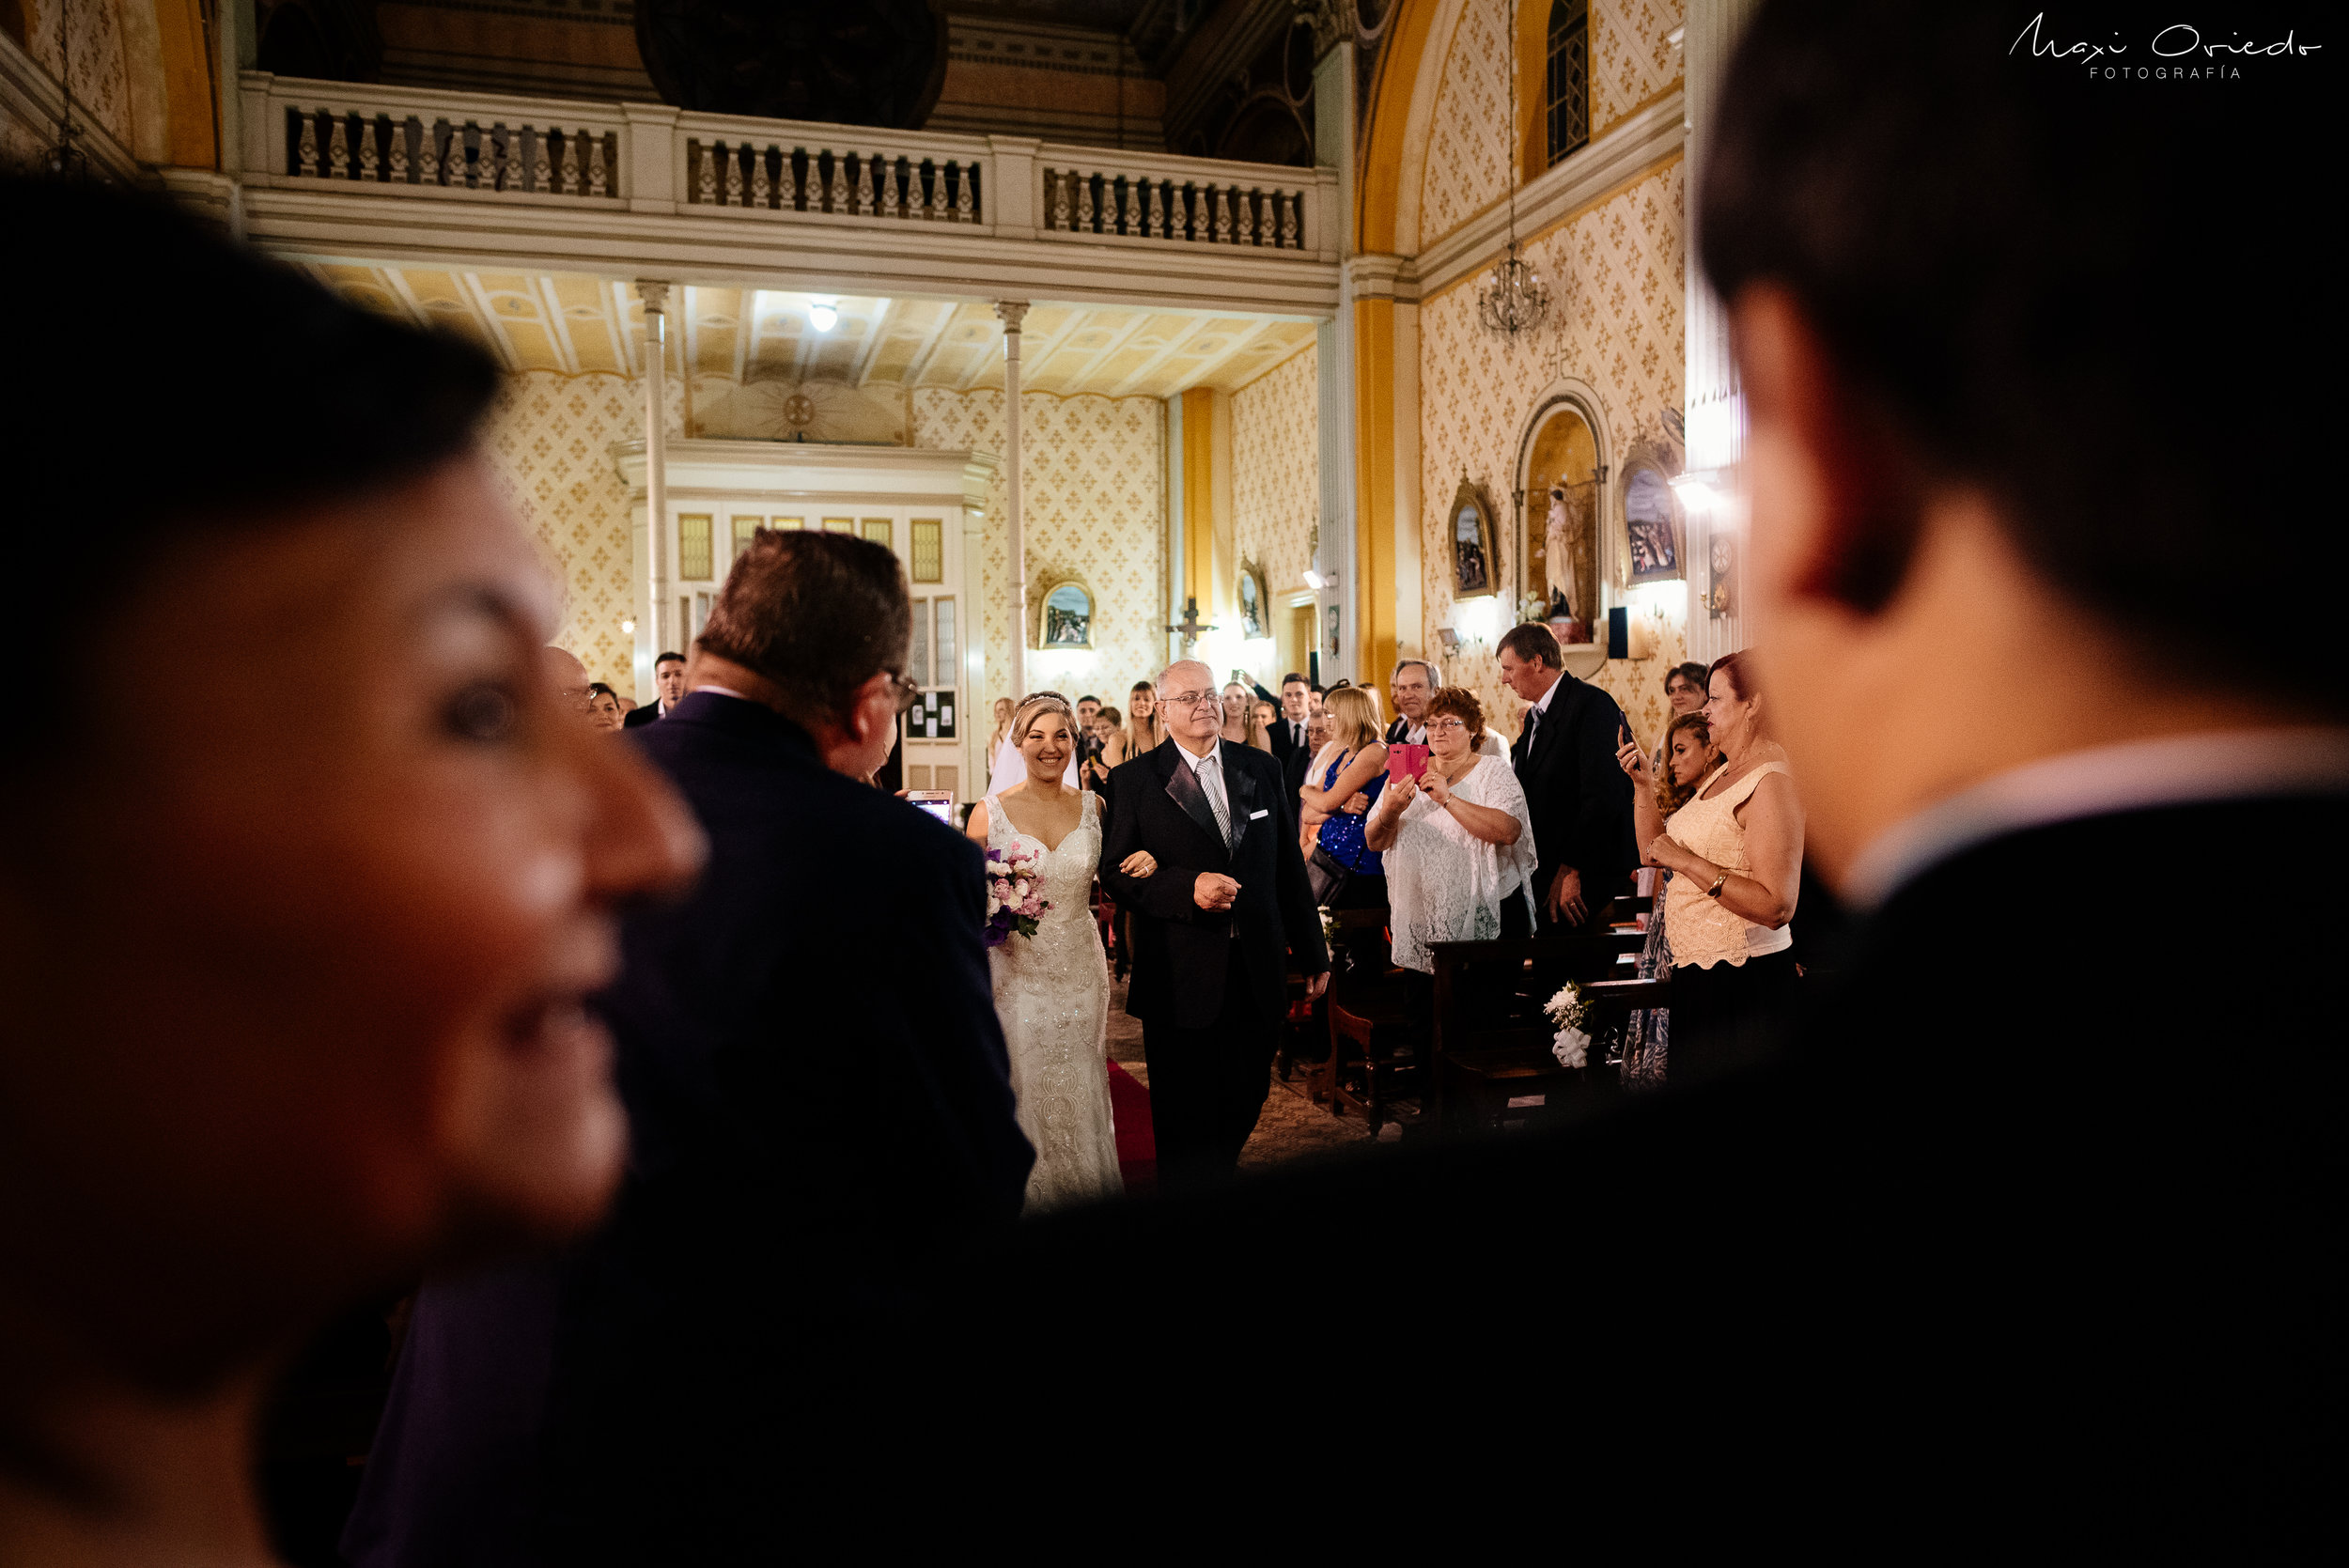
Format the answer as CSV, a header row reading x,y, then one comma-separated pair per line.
x,y
1052,993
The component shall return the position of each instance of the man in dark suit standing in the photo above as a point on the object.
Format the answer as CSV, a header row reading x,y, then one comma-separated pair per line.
x,y
810,1056
2040,1216
1288,736
1579,797
668,679
1214,927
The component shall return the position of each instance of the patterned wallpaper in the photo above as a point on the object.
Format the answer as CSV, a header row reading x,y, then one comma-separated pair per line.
x,y
1468,141
1468,135
102,76
549,437
1616,273
1095,474
1275,478
1095,509
1631,59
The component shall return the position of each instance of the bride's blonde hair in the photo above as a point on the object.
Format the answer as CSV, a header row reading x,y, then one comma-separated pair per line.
x,y
1049,701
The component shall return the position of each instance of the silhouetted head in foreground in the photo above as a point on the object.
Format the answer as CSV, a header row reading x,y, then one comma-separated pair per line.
x,y
293,985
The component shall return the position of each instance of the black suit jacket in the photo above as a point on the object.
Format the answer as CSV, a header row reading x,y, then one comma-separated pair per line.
x,y
1576,794
1180,950
2045,1194
641,715
819,1102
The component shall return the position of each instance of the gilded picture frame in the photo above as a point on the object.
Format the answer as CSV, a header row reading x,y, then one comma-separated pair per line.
x,y
1064,614
1655,532
1475,565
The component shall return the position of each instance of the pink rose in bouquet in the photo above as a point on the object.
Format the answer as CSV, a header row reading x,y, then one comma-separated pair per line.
x,y
1015,892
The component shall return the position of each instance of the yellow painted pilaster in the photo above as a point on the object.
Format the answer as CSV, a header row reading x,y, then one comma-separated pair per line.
x,y
1387,604
1376,591
1199,499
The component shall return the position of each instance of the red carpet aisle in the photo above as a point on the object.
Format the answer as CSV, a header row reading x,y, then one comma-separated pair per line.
x,y
1137,1144
1291,1127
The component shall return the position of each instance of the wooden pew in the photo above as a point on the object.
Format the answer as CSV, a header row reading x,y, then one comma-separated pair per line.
x,y
1490,1041
1372,1023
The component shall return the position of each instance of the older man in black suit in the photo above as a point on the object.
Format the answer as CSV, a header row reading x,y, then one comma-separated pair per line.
x,y
1579,798
1215,926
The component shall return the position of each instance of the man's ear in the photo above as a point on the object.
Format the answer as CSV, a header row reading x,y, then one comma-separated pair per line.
x,y
1851,538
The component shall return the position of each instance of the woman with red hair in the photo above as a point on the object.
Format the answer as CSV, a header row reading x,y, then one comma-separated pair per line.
x,y
1734,851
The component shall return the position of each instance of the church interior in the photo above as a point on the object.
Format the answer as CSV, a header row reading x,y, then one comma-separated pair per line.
x,y
1337,386
1340,333
1251,236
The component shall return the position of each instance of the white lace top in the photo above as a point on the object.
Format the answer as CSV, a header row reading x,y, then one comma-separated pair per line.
x,y
1700,930
1444,884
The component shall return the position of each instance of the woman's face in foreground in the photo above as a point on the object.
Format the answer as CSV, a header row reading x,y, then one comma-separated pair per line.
x,y
297,992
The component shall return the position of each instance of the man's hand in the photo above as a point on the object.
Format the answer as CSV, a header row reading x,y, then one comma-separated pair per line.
x,y
1318,984
1566,897
1214,891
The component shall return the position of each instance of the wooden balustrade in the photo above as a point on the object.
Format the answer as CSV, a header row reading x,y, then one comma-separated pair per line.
x,y
778,176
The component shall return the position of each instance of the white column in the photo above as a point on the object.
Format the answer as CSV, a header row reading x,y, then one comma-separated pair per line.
x,y
655,297
1014,312
1713,407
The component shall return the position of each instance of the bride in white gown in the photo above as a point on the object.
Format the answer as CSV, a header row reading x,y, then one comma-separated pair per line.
x,y
1052,989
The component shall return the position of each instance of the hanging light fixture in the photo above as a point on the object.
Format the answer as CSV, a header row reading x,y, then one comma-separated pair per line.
x,y
67,161
1513,297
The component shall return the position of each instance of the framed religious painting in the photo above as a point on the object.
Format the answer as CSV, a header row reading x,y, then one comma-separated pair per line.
x,y
1653,540
1255,615
1475,568
1065,617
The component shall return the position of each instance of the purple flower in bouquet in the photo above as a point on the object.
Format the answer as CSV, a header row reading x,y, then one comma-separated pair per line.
x,y
1014,893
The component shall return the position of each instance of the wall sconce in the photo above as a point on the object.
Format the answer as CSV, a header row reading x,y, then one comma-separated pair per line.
x,y
628,626
1319,583
1451,641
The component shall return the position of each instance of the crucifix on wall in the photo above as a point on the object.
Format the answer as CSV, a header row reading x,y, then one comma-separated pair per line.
x,y
1190,626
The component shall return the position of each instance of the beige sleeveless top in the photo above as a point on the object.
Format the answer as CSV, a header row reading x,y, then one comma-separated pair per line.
x,y
1700,930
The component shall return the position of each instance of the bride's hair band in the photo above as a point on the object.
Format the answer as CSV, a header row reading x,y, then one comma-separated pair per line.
x,y
1052,702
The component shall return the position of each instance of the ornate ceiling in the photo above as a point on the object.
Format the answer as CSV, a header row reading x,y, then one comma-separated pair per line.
x,y
581,325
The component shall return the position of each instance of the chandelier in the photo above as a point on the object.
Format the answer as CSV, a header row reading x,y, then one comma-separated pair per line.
x,y
1513,297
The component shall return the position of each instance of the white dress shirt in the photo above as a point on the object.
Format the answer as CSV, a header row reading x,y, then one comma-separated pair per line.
x,y
2227,765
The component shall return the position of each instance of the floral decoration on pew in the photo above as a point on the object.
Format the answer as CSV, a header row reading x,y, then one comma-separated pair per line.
x,y
1570,1009
1014,893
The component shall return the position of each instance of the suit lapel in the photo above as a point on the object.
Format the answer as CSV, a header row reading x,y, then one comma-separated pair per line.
x,y
1241,788
1546,733
1182,786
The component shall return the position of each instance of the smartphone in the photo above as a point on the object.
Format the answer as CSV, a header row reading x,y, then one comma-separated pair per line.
x,y
1405,761
938,802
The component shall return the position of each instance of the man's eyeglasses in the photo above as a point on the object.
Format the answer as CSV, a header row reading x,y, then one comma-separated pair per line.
x,y
1192,699
908,691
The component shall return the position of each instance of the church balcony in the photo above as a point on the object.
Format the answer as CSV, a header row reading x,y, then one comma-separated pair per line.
x,y
343,170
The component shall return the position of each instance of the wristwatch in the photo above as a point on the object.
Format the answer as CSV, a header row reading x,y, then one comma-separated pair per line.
x,y
1718,883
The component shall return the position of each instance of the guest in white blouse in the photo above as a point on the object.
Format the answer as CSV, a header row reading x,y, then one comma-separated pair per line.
x,y
1458,840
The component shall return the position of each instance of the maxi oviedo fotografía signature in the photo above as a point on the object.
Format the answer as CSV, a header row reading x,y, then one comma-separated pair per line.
x,y
2177,52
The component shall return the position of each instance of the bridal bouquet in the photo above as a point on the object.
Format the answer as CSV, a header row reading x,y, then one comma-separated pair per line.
x,y
1570,1009
1014,893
